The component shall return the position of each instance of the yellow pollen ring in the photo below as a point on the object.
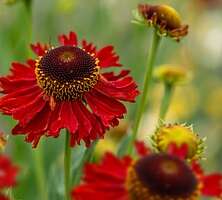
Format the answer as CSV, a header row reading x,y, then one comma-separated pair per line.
x,y
69,90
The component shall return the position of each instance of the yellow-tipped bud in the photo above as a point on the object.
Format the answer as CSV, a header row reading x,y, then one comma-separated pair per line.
x,y
179,135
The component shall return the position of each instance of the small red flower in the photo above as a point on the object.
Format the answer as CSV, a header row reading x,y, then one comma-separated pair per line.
x,y
66,88
153,176
8,174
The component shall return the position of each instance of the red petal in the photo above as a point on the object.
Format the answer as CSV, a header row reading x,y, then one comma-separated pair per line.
x,y
89,47
23,71
97,130
2,197
180,152
39,49
110,76
122,89
22,76
197,168
36,127
16,98
64,118
85,126
107,57
212,185
29,108
68,40
105,180
8,172
141,148
107,108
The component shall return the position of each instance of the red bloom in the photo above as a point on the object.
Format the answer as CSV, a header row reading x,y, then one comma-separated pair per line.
x,y
153,176
64,88
8,174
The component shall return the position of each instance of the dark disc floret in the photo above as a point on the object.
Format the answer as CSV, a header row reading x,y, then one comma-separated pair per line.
x,y
67,72
162,176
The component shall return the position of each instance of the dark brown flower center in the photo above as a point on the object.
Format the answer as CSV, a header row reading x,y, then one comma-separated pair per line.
x,y
161,176
67,72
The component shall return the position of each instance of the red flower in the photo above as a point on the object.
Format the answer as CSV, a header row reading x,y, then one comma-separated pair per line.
x,y
153,176
8,174
65,88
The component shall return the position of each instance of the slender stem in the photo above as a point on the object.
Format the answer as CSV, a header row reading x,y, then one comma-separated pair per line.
x,y
29,28
67,165
168,91
146,85
38,154
39,171
87,157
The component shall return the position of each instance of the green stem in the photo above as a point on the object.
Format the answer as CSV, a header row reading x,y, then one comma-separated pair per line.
x,y
87,157
67,165
168,91
146,85
39,171
38,154
29,26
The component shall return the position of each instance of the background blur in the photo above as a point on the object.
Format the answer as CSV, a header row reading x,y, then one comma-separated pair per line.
x,y
109,22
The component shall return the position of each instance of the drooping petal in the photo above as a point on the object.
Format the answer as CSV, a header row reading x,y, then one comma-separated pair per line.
x,y
107,57
124,89
105,107
13,100
36,127
85,125
39,49
64,117
26,112
97,130
68,40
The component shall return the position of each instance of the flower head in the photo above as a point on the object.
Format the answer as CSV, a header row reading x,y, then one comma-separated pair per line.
x,y
161,176
66,88
8,174
178,139
162,17
151,177
172,75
